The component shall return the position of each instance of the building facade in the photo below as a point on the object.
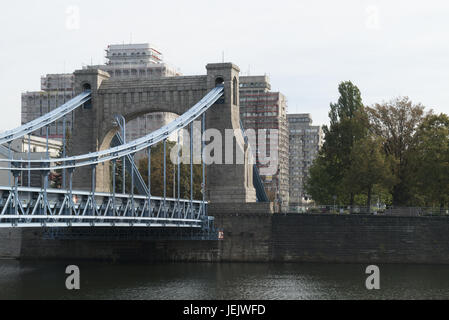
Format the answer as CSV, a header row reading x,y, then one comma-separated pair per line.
x,y
56,89
123,62
136,61
261,109
145,124
305,143
19,150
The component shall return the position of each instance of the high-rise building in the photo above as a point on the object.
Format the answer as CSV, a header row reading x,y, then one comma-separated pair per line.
x,y
123,61
261,109
305,143
32,148
136,61
145,124
60,82
56,89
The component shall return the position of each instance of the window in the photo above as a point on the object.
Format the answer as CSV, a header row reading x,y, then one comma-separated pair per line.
x,y
235,91
219,81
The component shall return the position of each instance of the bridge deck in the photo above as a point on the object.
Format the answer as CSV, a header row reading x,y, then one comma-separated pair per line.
x,y
33,207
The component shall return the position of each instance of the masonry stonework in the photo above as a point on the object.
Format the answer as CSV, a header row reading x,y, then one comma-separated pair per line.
x,y
360,239
262,237
94,128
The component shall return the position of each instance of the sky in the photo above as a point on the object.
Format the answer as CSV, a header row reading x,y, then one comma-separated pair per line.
x,y
386,48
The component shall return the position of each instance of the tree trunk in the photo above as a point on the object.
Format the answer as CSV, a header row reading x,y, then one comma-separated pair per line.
x,y
368,202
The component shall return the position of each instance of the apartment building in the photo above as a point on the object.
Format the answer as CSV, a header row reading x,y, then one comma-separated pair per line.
x,y
305,143
261,109
123,61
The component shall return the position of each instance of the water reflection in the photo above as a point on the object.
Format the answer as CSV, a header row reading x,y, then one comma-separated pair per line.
x,y
46,280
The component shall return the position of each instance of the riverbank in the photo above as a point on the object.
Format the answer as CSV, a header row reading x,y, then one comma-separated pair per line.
x,y
260,238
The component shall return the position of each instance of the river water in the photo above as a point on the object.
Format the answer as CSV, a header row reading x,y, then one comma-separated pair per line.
x,y
46,280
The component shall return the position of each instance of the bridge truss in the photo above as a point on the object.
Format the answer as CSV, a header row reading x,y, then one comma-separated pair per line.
x,y
26,207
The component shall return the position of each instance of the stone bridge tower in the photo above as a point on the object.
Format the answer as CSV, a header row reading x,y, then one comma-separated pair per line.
x,y
93,127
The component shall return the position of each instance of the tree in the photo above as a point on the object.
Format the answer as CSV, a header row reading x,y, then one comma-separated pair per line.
x,y
157,174
348,123
396,123
430,160
370,167
56,176
319,184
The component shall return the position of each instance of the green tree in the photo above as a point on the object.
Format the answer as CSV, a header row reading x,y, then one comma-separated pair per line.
x,y
157,174
320,184
348,123
396,122
430,161
56,175
370,168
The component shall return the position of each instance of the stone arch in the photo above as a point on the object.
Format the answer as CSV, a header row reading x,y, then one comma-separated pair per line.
x,y
111,130
93,129
103,170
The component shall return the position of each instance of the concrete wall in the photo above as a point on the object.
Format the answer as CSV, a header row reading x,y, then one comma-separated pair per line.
x,y
360,238
261,237
247,237
34,246
10,243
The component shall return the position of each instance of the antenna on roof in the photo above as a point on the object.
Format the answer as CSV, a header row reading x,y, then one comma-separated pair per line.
x,y
223,56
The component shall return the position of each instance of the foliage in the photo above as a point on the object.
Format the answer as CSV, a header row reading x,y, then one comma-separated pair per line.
x,y
429,161
157,174
396,122
57,175
370,168
348,123
394,151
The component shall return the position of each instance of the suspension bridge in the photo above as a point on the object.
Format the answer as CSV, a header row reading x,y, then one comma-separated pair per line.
x,y
88,198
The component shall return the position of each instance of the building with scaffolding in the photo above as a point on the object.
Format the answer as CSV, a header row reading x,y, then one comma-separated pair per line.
x,y
32,148
261,109
305,142
136,61
56,89
124,62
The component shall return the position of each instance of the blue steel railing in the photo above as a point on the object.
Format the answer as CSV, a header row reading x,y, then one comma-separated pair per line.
x,y
35,207
46,119
30,207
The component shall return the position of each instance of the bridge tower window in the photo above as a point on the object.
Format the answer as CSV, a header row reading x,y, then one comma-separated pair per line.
x,y
219,81
87,86
88,104
235,91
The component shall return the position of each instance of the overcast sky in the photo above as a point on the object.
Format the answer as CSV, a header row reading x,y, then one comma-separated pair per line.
x,y
387,48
